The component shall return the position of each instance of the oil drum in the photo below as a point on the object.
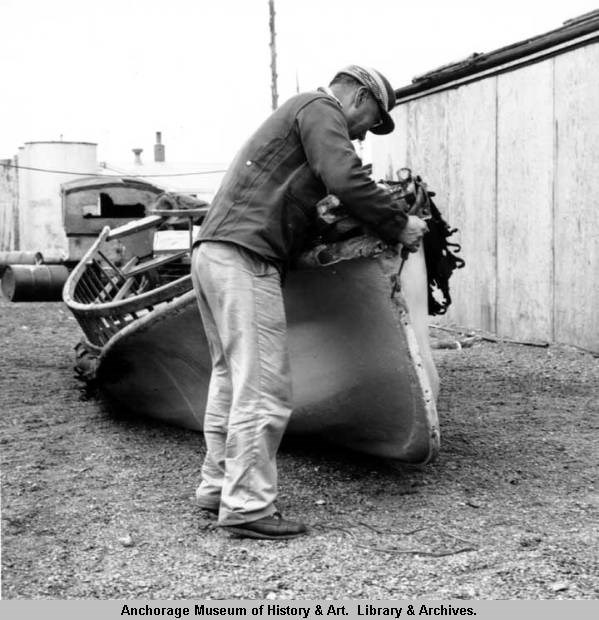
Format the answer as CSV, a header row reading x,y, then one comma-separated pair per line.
x,y
19,258
34,282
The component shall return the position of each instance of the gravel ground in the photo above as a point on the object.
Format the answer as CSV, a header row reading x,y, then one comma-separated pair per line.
x,y
97,506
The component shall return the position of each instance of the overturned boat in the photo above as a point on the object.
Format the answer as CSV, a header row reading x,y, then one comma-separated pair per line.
x,y
362,370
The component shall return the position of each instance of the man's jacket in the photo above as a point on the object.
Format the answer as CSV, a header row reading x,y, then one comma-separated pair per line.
x,y
302,152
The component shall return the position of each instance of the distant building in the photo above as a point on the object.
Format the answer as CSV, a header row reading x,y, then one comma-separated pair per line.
x,y
32,209
30,198
200,179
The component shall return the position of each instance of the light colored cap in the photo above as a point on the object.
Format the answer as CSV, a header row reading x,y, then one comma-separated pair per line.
x,y
381,90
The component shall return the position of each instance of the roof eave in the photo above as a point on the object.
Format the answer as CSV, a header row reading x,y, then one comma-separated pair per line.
x,y
572,31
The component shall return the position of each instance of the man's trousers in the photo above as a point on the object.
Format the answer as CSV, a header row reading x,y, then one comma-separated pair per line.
x,y
249,396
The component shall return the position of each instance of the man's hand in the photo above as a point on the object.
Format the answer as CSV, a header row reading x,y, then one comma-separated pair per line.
x,y
412,234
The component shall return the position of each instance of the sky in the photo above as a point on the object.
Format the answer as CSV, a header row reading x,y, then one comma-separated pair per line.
x,y
116,71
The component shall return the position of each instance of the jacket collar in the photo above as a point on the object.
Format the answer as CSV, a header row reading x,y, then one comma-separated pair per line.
x,y
327,91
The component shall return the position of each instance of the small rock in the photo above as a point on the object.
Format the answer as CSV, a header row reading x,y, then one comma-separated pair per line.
x,y
271,596
320,502
126,541
531,542
559,586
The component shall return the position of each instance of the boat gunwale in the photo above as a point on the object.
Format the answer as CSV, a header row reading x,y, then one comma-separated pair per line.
x,y
138,302
157,315
424,381
68,291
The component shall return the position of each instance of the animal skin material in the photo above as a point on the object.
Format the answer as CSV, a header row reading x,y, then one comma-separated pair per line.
x,y
362,370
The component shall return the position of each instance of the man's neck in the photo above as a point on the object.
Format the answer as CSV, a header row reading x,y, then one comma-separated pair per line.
x,y
329,91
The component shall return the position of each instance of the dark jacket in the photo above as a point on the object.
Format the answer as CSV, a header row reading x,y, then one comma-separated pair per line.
x,y
302,152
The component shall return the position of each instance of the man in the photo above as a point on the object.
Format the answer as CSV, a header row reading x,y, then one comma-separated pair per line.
x,y
256,225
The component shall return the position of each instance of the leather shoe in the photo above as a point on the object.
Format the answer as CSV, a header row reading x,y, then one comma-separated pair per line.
x,y
273,527
208,510
212,511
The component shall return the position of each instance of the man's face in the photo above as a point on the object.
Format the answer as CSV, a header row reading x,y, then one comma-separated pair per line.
x,y
362,114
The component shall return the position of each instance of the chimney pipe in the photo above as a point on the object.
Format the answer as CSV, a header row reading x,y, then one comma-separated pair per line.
x,y
137,153
159,147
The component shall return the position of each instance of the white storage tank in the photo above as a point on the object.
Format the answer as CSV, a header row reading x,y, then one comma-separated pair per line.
x,y
41,224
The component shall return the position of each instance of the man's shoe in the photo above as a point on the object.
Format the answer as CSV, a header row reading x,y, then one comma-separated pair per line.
x,y
210,510
273,527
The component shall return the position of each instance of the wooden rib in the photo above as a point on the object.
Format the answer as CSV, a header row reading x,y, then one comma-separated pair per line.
x,y
83,291
102,288
86,280
111,265
124,290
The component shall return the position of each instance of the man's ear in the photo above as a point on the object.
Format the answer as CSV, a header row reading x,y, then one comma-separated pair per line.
x,y
361,96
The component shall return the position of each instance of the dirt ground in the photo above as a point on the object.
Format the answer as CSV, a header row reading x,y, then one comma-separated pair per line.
x,y
98,506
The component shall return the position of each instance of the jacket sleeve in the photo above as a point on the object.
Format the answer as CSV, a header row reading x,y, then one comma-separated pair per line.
x,y
333,159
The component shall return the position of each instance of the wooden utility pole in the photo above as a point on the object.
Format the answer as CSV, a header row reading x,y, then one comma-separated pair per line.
x,y
273,56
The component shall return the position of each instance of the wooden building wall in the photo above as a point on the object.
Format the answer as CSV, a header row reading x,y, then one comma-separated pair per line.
x,y
514,160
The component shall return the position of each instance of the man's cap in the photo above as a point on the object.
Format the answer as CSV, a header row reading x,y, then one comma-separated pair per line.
x,y
381,90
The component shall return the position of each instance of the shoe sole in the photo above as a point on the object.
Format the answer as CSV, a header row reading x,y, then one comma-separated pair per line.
x,y
243,533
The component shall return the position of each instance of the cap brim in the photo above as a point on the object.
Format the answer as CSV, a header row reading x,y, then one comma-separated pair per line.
x,y
387,125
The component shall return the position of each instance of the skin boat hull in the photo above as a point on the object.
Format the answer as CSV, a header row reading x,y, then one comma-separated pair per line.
x,y
362,370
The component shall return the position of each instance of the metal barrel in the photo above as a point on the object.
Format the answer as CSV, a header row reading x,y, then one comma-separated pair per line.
x,y
53,258
34,282
19,258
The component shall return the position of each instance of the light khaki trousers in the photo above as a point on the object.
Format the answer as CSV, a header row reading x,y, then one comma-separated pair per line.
x,y
249,396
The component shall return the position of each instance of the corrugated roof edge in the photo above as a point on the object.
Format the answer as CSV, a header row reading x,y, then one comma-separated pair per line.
x,y
476,63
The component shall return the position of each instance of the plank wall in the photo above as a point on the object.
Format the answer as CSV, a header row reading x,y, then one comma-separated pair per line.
x,y
576,221
513,159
